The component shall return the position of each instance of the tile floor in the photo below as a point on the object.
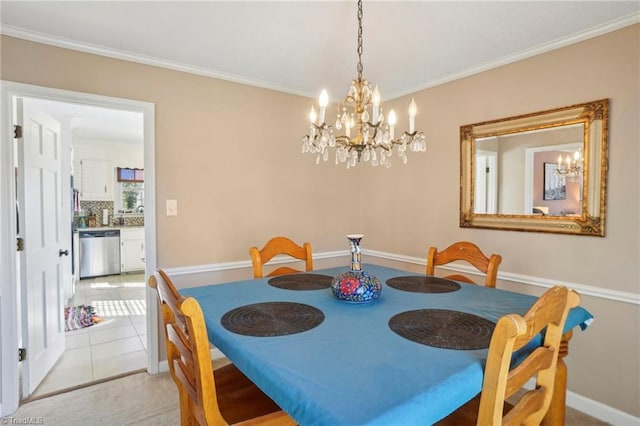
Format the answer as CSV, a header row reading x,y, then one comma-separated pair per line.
x,y
115,346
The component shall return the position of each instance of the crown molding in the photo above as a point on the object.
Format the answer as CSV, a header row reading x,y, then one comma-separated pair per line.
x,y
607,27
38,37
124,55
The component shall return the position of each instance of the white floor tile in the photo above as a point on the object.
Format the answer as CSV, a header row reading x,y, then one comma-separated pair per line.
x,y
73,368
107,350
111,333
116,345
119,364
141,327
102,294
132,293
110,322
75,340
118,307
143,339
78,331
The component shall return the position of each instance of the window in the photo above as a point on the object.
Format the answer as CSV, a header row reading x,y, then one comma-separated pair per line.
x,y
132,197
130,175
131,190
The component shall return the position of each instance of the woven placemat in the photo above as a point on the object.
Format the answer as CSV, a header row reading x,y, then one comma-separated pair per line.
x,y
301,281
269,319
443,328
423,284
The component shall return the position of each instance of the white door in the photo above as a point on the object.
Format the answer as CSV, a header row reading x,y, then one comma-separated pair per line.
x,y
41,276
486,183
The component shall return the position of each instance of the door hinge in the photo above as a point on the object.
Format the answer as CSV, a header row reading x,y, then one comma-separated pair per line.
x,y
487,170
22,354
17,131
19,244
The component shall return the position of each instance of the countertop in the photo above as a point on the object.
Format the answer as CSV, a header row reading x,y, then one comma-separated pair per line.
x,y
109,228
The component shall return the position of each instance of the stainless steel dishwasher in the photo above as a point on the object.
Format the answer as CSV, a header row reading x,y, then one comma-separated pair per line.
x,y
99,253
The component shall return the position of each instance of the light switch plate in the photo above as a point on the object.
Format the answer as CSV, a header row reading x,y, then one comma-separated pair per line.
x,y
172,207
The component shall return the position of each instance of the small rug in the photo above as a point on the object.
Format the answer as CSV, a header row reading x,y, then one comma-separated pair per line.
x,y
77,317
301,281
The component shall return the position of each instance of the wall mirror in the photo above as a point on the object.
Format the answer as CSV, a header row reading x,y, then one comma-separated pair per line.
x,y
539,172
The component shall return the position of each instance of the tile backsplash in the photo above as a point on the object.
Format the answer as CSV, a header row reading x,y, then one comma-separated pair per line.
x,y
86,207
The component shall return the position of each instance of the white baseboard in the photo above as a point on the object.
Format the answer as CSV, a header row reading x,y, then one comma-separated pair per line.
x,y
601,411
163,366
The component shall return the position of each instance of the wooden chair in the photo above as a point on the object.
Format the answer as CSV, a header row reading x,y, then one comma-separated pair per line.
x,y
280,245
207,397
512,332
470,253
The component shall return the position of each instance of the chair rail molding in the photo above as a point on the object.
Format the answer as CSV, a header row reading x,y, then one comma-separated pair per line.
x,y
241,264
583,289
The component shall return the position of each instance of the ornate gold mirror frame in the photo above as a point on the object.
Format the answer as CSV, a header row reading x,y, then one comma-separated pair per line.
x,y
593,117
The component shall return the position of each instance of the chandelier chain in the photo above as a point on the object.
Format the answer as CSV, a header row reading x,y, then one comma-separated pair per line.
x,y
360,68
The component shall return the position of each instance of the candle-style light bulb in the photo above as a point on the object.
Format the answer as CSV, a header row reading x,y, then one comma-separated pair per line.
x,y
313,115
559,160
576,156
376,104
323,101
392,123
413,109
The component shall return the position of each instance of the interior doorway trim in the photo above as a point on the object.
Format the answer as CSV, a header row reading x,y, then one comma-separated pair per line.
x,y
10,322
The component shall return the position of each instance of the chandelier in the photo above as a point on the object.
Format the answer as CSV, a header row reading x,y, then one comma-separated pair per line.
x,y
367,136
571,166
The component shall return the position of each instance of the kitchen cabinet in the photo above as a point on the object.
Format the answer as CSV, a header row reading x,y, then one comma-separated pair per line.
x,y
96,180
132,253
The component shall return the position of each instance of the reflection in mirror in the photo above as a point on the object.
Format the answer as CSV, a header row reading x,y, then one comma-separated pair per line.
x,y
517,173
541,172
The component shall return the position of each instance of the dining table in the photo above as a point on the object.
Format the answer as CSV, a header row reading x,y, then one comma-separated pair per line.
x,y
410,357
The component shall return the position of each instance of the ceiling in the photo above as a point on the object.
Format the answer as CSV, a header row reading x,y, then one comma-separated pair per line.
x,y
301,47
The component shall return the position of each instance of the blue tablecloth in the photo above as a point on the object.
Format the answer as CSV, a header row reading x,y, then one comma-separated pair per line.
x,y
352,369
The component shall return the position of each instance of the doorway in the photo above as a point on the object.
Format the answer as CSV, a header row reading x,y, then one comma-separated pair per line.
x,y
13,317
104,302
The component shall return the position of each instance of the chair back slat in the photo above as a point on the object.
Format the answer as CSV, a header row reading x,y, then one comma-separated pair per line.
x,y
276,246
185,375
470,253
540,359
531,402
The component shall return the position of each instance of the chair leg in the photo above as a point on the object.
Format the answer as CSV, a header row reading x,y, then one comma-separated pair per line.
x,y
555,414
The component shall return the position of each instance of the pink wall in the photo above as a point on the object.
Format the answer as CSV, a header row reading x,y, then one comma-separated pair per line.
x,y
572,202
